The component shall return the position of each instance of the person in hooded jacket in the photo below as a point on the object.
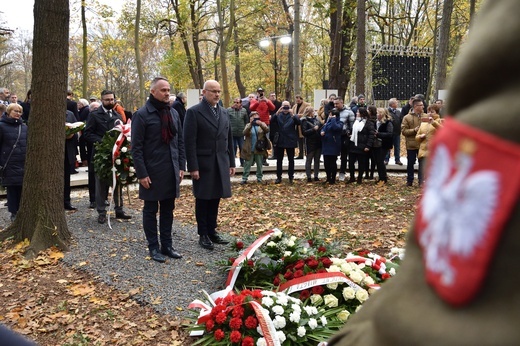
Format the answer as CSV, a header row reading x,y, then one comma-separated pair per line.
x,y
13,144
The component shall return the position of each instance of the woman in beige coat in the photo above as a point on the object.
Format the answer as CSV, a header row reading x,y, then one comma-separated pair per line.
x,y
430,122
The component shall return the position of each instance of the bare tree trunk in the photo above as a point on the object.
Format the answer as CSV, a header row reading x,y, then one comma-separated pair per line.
x,y
137,47
297,86
289,83
361,48
238,78
224,39
444,42
41,217
472,4
84,85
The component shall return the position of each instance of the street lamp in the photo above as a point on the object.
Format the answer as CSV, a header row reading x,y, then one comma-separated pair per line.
x,y
266,42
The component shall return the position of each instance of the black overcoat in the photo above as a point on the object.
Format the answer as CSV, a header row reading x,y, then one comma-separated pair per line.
x,y
153,157
209,150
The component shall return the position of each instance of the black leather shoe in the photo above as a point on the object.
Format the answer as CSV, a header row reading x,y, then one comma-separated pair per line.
x,y
102,218
157,256
171,252
217,239
278,181
69,206
122,215
205,242
92,205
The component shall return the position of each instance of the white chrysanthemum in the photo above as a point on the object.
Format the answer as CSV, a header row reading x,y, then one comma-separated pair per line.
x,y
313,323
269,293
361,295
304,250
281,336
279,322
282,299
124,149
368,263
295,316
278,310
301,331
349,293
356,276
290,243
132,170
296,307
311,310
271,244
277,234
330,300
323,320
129,138
368,281
333,285
287,253
267,301
293,238
118,161
391,271
333,269
261,342
316,299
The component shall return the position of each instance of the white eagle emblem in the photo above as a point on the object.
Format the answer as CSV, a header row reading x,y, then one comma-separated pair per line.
x,y
457,210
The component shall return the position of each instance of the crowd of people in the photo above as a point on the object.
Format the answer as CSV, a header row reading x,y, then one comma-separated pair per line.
x,y
206,138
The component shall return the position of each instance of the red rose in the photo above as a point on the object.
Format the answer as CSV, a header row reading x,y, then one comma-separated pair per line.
x,y
232,260
288,275
235,323
238,311
298,274
299,265
219,335
126,160
326,262
305,294
313,264
246,292
321,270
322,249
126,168
210,324
250,263
235,336
385,276
248,341
221,317
239,245
318,290
311,242
251,322
276,281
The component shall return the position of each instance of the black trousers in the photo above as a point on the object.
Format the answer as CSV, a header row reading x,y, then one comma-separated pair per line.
x,y
279,161
345,145
331,167
91,175
206,213
14,196
378,156
362,159
150,210
66,181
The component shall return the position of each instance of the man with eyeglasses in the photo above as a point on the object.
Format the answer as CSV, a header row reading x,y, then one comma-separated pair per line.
x,y
238,119
210,160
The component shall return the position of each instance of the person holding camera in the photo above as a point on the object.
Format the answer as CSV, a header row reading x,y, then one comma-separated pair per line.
x,y
347,117
331,144
255,147
286,140
263,106
311,127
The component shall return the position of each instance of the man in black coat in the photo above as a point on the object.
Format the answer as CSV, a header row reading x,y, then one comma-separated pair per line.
x,y
70,159
180,106
209,154
159,160
99,122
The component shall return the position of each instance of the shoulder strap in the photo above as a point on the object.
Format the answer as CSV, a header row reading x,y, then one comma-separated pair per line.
x,y
14,145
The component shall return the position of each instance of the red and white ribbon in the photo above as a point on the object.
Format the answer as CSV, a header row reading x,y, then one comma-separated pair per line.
x,y
266,325
318,279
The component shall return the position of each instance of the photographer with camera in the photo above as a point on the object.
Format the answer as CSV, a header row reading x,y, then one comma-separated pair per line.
x,y
255,147
263,106
331,144
286,139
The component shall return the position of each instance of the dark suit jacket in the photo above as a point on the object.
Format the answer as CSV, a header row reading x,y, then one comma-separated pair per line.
x,y
209,150
73,107
154,158
98,123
